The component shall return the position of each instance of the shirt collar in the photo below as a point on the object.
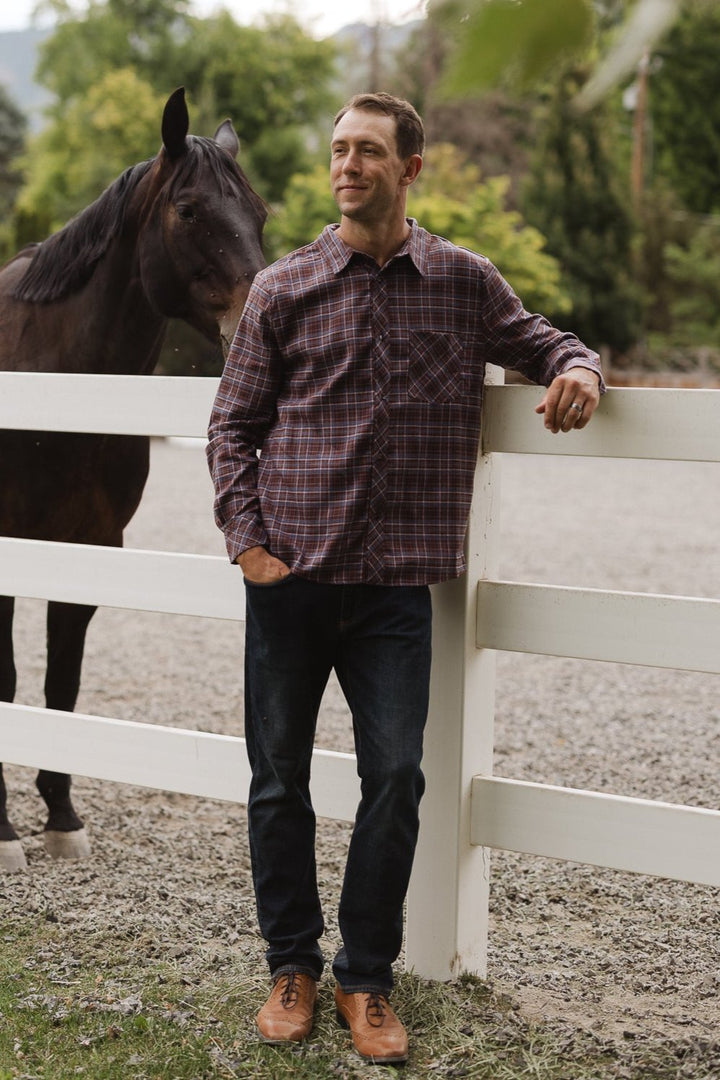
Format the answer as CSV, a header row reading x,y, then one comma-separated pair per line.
x,y
339,253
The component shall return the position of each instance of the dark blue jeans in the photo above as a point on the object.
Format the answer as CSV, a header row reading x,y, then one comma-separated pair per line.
x,y
377,638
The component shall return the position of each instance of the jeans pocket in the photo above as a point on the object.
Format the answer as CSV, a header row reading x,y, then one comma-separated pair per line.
x,y
277,584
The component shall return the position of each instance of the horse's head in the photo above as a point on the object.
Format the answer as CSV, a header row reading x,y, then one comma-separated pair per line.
x,y
202,242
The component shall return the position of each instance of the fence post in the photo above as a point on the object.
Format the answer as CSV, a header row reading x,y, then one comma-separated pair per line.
x,y
447,919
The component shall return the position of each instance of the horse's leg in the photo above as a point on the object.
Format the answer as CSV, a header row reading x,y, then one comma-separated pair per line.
x,y
12,856
67,624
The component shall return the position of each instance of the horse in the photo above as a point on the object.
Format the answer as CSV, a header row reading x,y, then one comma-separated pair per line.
x,y
177,236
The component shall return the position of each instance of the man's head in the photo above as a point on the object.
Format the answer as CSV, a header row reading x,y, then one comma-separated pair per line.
x,y
409,131
372,165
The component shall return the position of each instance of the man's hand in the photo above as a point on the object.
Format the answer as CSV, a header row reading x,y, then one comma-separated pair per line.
x,y
571,399
260,567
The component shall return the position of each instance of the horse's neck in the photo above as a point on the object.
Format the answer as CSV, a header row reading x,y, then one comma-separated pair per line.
x,y
118,332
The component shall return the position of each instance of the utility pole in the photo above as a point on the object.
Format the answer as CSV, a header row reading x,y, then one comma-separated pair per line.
x,y
376,72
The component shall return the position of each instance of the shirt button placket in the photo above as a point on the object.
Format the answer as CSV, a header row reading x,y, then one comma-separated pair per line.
x,y
375,539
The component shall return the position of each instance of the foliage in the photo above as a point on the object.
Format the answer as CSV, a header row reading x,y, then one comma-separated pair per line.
x,y
498,42
645,23
145,36
662,224
694,270
273,80
92,142
577,195
521,43
451,199
685,108
12,136
307,208
493,128
112,68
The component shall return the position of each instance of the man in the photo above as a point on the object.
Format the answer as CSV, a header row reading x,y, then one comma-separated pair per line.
x,y
357,368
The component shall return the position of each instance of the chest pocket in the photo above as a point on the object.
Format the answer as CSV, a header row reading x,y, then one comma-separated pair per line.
x,y
436,369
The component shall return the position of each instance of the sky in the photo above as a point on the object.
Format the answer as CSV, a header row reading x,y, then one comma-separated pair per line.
x,y
318,17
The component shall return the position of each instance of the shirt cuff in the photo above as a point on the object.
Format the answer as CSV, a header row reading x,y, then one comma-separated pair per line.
x,y
241,535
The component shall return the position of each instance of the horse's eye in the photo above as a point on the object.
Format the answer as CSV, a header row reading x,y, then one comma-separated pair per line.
x,y
185,213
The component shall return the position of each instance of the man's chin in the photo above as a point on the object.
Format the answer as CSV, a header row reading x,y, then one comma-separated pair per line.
x,y
350,202
352,211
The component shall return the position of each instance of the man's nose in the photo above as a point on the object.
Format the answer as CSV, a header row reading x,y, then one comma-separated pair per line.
x,y
351,163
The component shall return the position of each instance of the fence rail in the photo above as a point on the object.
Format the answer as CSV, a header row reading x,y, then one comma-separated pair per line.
x,y
171,582
644,837
670,425
466,809
155,756
111,404
591,624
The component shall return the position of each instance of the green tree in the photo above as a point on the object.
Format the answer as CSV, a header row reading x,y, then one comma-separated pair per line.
x,y
273,80
451,198
694,269
307,208
685,108
145,36
112,68
12,135
577,194
72,160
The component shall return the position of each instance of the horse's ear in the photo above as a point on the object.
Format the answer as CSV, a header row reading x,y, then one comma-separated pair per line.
x,y
226,136
175,124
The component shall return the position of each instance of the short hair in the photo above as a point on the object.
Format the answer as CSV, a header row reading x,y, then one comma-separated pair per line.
x,y
409,130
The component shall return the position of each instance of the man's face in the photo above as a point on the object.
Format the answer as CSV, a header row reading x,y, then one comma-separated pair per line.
x,y
367,176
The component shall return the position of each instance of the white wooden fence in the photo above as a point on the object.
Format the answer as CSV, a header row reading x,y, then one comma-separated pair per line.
x,y
466,809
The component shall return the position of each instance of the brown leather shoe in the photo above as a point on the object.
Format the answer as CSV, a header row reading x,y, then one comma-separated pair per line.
x,y
287,1015
377,1034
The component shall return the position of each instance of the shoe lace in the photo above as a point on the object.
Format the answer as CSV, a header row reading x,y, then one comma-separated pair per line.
x,y
290,991
375,1010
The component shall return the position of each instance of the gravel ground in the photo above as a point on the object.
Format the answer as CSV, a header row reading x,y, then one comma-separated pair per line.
x,y
625,955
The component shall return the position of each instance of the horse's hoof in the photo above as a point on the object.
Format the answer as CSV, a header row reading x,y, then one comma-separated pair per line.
x,y
67,845
12,856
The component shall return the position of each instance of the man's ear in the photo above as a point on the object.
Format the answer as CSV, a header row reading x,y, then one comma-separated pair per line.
x,y
413,165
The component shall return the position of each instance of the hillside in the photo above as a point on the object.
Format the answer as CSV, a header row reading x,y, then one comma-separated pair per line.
x,y
18,57
19,52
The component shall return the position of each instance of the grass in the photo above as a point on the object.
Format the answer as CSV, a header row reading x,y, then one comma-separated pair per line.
x,y
108,1008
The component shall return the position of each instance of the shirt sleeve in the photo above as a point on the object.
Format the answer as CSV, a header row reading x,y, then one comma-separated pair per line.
x,y
528,343
243,410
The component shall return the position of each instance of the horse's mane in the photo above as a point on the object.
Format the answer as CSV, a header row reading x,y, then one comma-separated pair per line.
x,y
65,262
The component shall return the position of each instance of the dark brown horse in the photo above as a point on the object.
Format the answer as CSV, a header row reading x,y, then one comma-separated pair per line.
x,y
177,236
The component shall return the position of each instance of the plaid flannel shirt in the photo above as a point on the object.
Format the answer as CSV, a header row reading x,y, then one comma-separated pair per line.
x,y
361,386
